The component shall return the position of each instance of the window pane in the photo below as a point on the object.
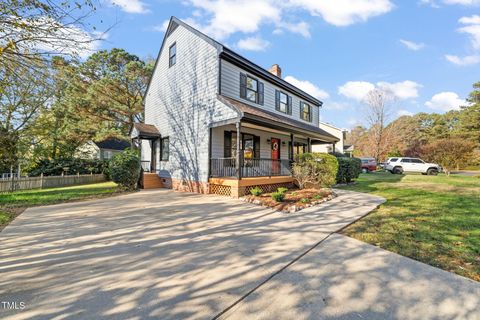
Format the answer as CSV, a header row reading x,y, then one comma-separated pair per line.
x,y
283,98
173,50
251,95
251,84
283,107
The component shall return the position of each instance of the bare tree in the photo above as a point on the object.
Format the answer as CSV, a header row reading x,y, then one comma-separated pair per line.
x,y
379,104
31,30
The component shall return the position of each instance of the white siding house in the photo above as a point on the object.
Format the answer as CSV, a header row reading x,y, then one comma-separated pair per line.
x,y
334,147
201,97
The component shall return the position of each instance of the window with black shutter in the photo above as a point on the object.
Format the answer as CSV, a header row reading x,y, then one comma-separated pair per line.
x,y
227,144
251,89
305,111
164,149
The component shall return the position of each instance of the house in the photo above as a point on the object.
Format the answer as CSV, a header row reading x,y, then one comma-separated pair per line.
x,y
334,147
102,150
218,123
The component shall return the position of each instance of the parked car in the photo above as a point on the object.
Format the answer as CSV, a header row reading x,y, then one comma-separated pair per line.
x,y
400,165
368,164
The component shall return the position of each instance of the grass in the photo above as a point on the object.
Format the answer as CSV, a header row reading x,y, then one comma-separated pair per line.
x,y
433,219
12,204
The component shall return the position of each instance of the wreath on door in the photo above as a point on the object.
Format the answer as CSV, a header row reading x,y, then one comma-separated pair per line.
x,y
275,146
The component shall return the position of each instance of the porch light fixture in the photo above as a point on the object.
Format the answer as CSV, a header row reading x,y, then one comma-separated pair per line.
x,y
268,140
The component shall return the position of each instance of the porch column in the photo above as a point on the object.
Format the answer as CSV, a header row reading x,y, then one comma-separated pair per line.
x,y
238,156
291,147
309,145
333,147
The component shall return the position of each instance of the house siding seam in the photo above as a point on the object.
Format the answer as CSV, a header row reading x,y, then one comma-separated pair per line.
x,y
230,87
182,103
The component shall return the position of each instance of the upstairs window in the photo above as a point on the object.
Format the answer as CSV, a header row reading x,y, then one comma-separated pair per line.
x,y
251,89
283,102
305,112
172,55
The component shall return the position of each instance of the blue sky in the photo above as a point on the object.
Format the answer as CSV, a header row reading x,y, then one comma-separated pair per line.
x,y
426,52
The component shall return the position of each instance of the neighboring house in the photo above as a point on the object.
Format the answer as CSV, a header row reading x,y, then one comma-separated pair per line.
x,y
216,122
336,146
103,150
348,149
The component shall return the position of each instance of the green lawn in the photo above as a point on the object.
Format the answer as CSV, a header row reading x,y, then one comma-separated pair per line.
x,y
11,204
433,219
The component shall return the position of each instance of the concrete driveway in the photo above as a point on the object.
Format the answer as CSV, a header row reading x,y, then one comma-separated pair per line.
x,y
165,255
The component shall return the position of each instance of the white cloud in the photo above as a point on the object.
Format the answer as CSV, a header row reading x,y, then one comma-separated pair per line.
x,y
412,45
445,101
221,18
475,19
308,87
332,105
463,2
344,12
162,27
253,44
358,90
130,6
404,112
472,29
463,61
402,90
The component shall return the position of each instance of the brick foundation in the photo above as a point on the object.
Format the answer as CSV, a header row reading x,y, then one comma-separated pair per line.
x,y
185,185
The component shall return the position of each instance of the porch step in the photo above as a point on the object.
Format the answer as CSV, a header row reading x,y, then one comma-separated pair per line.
x,y
151,181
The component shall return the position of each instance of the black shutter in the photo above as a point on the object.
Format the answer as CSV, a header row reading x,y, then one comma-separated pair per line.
x,y
260,93
243,85
277,100
309,113
289,107
256,147
301,110
227,144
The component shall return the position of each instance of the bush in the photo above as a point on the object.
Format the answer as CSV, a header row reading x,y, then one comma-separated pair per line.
x,y
282,189
125,169
257,191
348,169
278,196
315,169
304,200
55,167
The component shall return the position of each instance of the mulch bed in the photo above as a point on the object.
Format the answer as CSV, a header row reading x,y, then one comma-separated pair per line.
x,y
295,199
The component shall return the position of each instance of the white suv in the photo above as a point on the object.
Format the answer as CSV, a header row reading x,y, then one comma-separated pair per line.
x,y
401,164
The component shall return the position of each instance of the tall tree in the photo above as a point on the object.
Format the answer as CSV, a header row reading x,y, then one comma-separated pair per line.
x,y
470,118
378,105
23,95
108,90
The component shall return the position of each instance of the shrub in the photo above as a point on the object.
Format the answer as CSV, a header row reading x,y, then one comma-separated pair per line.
x,y
318,197
315,169
304,200
278,196
257,191
282,189
450,153
348,169
125,169
55,167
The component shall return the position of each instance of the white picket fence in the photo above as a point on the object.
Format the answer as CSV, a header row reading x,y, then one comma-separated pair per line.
x,y
26,183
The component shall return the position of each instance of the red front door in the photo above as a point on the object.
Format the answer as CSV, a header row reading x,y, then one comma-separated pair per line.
x,y
275,156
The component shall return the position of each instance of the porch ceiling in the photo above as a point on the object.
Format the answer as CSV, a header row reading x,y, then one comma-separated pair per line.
x,y
275,121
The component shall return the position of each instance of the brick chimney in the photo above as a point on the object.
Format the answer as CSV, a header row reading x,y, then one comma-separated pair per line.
x,y
275,70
